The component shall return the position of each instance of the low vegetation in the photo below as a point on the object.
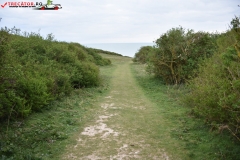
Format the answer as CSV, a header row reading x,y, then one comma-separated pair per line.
x,y
177,54
196,140
41,76
208,65
34,71
215,93
44,86
105,52
143,55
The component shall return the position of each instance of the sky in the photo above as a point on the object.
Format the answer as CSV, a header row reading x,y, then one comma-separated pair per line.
x,y
120,21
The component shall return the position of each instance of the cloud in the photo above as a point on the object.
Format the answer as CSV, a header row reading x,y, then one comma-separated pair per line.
x,y
102,21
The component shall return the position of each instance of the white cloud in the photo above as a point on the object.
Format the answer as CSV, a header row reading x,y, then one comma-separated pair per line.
x,y
102,21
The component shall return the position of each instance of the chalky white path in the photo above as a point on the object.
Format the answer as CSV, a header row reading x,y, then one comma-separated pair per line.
x,y
116,133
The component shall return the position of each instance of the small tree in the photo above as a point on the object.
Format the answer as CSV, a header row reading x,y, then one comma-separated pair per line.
x,y
178,53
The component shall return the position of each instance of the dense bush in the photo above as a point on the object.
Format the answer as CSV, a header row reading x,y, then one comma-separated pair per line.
x,y
215,93
210,64
143,55
84,75
35,71
178,53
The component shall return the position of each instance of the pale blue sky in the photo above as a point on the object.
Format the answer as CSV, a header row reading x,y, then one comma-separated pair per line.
x,y
121,21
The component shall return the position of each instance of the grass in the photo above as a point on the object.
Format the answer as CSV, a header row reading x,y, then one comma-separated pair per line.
x,y
44,135
190,132
134,118
147,114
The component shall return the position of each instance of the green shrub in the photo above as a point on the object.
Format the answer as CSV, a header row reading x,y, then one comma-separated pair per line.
x,y
81,54
35,93
143,54
178,53
35,71
85,75
61,84
10,72
67,57
4,40
99,60
105,52
215,93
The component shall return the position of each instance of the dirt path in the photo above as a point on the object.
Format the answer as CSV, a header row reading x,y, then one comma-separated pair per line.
x,y
124,127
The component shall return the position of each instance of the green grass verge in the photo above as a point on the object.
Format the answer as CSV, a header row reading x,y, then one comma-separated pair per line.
x,y
190,132
44,135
